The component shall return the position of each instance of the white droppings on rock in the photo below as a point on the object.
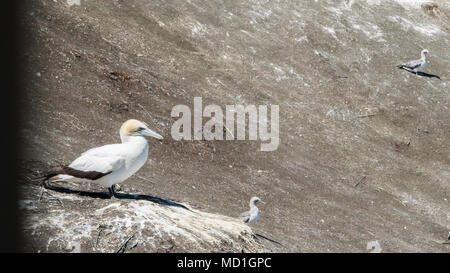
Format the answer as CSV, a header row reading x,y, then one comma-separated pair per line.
x,y
104,229
198,29
407,4
73,2
372,31
425,29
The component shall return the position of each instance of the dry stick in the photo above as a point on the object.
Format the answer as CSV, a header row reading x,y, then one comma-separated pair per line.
x,y
54,197
98,237
145,110
44,190
29,178
145,179
226,128
359,182
366,116
229,131
123,247
135,245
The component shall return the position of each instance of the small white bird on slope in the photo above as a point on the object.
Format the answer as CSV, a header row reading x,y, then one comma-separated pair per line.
x,y
416,65
252,215
110,164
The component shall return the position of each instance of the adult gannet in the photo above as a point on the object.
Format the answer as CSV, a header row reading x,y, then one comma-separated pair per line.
x,y
110,164
416,65
252,215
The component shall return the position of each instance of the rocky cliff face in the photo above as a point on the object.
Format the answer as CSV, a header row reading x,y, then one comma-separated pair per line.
x,y
67,222
363,155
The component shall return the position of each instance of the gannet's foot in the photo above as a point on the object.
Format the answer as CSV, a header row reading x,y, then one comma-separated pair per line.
x,y
112,192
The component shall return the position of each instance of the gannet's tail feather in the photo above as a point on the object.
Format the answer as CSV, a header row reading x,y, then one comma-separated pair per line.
x,y
400,66
66,172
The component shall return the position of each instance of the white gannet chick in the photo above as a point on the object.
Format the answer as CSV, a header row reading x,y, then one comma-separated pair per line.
x,y
110,164
416,65
252,215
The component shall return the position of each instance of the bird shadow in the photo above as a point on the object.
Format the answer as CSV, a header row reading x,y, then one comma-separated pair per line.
x,y
256,236
127,196
423,74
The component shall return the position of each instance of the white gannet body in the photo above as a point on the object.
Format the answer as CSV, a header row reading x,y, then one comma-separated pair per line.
x,y
110,164
252,215
416,65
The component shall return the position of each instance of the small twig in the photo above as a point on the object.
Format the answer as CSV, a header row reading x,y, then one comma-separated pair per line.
x,y
135,245
98,236
54,197
423,130
359,182
123,247
144,110
367,116
229,131
226,128
47,192
145,179
42,192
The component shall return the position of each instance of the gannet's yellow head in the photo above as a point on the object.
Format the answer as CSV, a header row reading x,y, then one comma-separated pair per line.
x,y
133,127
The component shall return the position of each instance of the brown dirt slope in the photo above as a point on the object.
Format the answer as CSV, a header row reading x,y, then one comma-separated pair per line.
x,y
346,112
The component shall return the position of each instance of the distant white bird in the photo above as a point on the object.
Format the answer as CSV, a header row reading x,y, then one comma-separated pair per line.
x,y
110,164
252,215
416,65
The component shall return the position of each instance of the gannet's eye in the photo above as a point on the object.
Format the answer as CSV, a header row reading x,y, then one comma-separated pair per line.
x,y
139,129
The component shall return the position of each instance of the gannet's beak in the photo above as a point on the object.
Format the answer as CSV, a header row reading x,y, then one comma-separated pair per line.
x,y
148,132
262,202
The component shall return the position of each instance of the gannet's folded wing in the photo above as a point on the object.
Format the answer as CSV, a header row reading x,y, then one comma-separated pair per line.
x,y
89,167
106,150
102,164
411,65
245,216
